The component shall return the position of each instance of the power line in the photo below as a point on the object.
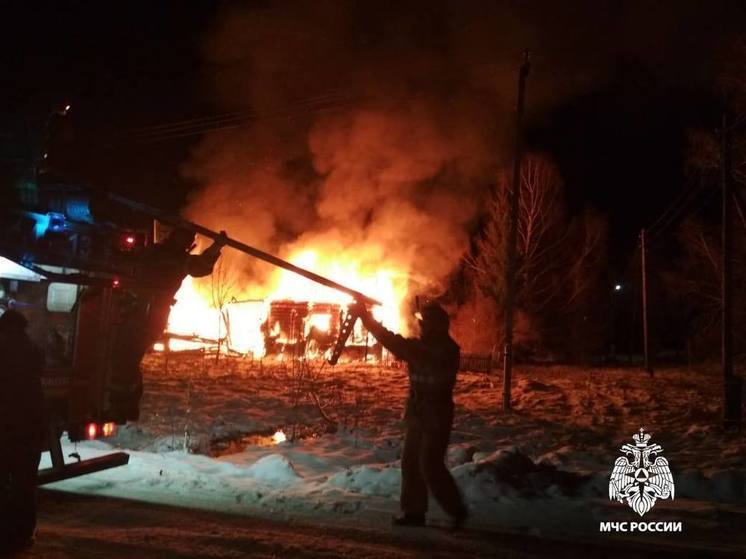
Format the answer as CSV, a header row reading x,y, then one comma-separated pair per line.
x,y
673,208
229,116
188,123
237,119
238,123
710,194
691,195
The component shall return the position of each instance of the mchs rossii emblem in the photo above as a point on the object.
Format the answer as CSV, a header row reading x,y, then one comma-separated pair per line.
x,y
641,481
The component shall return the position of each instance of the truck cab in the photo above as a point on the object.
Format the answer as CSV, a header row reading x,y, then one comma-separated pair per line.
x,y
70,272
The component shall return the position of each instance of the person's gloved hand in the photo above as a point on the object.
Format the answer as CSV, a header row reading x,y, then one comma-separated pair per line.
x,y
359,309
222,238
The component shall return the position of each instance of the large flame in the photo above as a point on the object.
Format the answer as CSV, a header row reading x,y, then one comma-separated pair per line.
x,y
238,325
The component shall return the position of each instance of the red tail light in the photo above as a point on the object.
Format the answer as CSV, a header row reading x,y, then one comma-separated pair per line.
x,y
97,430
108,429
91,431
130,241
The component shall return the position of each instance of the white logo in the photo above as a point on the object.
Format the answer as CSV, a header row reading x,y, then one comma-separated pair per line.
x,y
641,482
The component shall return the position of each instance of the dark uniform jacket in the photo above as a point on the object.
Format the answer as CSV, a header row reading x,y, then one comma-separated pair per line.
x,y
161,271
22,417
432,365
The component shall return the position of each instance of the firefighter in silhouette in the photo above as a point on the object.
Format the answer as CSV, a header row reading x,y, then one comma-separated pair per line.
x,y
22,430
432,360
161,268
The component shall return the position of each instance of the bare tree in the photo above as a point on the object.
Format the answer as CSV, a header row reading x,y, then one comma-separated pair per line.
x,y
221,293
558,257
732,85
694,280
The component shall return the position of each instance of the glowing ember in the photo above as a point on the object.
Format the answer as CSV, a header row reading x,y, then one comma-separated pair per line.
x,y
279,437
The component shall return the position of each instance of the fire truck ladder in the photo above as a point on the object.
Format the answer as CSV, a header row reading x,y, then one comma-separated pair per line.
x,y
60,471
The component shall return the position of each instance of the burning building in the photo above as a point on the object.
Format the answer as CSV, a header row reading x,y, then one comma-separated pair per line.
x,y
296,319
347,167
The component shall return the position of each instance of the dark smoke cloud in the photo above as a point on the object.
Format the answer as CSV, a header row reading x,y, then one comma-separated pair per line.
x,y
380,125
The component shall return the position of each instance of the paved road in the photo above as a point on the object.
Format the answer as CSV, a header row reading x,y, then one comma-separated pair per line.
x,y
85,526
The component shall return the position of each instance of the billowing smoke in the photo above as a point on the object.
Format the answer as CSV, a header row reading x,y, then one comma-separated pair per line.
x,y
399,180
377,127
371,131
369,143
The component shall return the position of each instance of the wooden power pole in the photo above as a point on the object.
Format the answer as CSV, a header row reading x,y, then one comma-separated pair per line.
x,y
510,250
731,383
643,266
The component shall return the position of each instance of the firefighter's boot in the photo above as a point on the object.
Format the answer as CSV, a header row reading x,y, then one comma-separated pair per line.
x,y
409,519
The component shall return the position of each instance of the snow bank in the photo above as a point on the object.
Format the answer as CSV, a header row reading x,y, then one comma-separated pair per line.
x,y
460,454
723,486
509,473
545,466
369,480
274,469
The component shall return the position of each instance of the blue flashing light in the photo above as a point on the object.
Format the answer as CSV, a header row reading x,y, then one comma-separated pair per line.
x,y
78,209
52,221
41,225
56,222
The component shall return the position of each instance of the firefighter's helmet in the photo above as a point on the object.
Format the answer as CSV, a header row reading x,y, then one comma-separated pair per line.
x,y
433,317
180,239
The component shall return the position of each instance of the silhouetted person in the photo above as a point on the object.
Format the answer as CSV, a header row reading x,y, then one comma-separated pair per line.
x,y
432,360
163,266
160,270
22,429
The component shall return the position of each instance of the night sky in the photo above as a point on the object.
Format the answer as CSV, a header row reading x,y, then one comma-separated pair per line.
x,y
615,86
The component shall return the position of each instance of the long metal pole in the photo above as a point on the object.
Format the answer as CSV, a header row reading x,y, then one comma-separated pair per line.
x,y
643,261
238,245
513,233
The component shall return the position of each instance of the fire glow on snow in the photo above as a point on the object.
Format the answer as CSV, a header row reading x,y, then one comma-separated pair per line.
x,y
552,478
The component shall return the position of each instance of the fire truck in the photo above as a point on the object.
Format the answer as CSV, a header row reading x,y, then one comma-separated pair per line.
x,y
66,267
68,262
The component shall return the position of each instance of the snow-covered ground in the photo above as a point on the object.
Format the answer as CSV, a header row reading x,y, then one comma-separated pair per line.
x,y
204,441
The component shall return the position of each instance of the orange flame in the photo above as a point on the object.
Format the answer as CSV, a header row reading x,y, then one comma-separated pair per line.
x,y
238,325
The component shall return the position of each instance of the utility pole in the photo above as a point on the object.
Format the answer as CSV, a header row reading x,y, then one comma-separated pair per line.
x,y
731,383
643,261
510,250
